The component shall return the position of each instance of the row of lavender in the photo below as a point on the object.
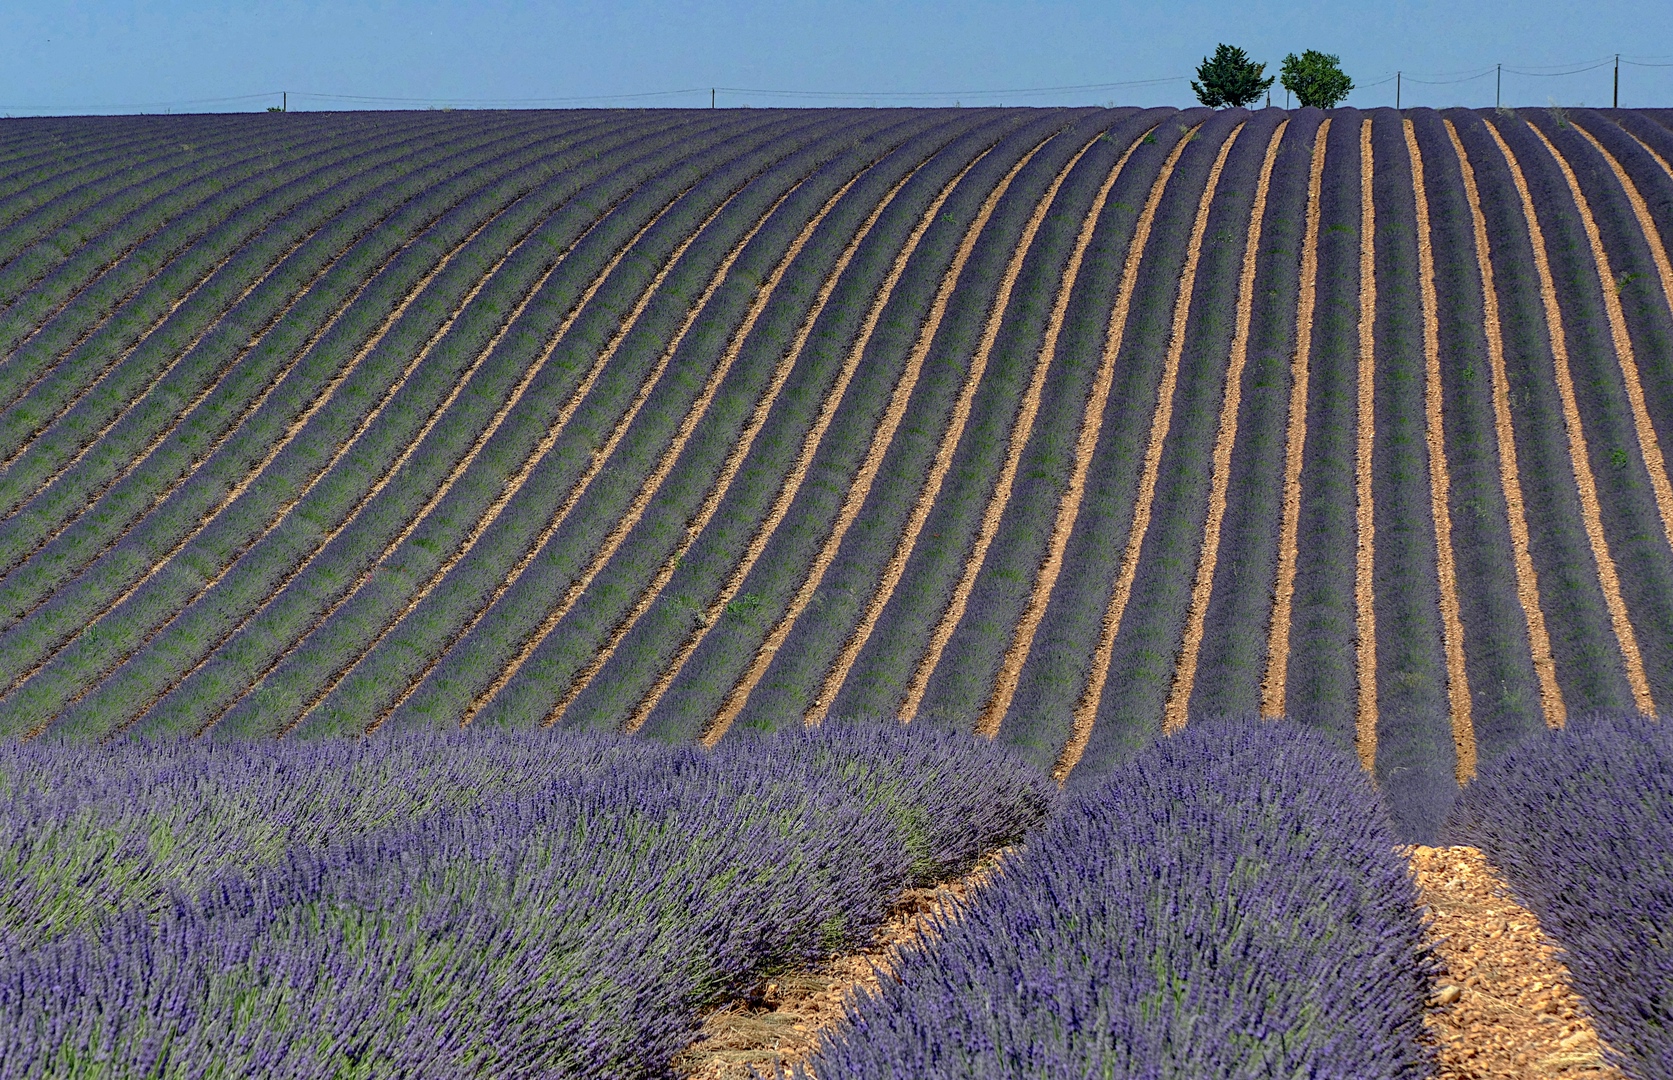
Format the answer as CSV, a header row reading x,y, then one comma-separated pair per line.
x,y
1229,904
1580,822
462,905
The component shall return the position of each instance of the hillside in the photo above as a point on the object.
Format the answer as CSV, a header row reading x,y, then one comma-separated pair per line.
x,y
1068,425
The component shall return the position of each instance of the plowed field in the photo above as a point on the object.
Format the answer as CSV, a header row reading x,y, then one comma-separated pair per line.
x,y
1068,426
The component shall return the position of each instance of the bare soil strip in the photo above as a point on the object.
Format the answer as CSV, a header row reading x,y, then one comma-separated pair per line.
x,y
1641,209
950,437
1021,432
293,429
122,355
342,451
1068,509
1510,478
600,455
1086,710
156,380
1295,444
1365,556
1504,1007
1185,671
413,444
882,438
739,453
1579,455
1440,478
1648,443
670,457
131,466
779,1024
810,446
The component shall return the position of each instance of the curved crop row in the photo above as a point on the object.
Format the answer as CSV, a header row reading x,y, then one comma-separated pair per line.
x,y
1070,427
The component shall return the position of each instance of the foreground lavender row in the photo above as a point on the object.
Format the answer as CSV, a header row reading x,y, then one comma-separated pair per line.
x,y
1066,426
479,905
1229,905
1581,824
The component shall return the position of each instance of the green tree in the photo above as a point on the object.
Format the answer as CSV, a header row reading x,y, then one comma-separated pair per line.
x,y
1230,78
1316,79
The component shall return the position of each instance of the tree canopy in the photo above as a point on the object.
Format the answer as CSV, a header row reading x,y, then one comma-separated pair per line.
x,y
1230,78
1316,79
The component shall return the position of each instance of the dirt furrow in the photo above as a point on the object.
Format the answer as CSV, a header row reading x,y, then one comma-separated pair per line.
x,y
810,446
1365,555
881,440
1649,445
1086,442
1086,709
670,457
1023,428
1295,443
389,473
476,447
943,461
1505,1009
595,466
1440,484
1579,455
735,459
151,384
1185,671
1510,477
293,429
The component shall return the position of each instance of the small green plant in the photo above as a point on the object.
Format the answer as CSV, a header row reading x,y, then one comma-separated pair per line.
x,y
1230,78
1316,79
745,607
1618,458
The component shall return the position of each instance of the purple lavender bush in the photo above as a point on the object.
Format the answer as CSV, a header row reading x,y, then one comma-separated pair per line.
x,y
1580,821
489,904
1229,904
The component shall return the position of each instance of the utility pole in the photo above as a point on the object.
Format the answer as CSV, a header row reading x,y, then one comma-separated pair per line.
x,y
284,101
711,97
1396,91
1498,85
1617,80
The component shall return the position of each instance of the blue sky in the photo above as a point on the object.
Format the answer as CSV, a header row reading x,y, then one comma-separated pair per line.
x,y
75,56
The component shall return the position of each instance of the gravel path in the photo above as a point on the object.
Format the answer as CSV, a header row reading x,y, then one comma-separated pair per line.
x,y
1503,1008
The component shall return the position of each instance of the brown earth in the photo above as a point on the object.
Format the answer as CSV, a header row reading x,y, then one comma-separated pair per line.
x,y
779,1023
1503,1007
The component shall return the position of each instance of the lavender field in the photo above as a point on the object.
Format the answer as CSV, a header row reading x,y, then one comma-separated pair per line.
x,y
432,456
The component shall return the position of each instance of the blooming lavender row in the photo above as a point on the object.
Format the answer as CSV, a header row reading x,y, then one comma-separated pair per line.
x,y
469,904
1229,904
1580,822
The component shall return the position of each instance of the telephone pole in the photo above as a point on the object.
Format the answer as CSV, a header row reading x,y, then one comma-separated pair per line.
x,y
284,101
1396,91
1617,80
711,97
1498,85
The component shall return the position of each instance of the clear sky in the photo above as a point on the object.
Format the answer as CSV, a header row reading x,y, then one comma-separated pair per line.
x,y
73,56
